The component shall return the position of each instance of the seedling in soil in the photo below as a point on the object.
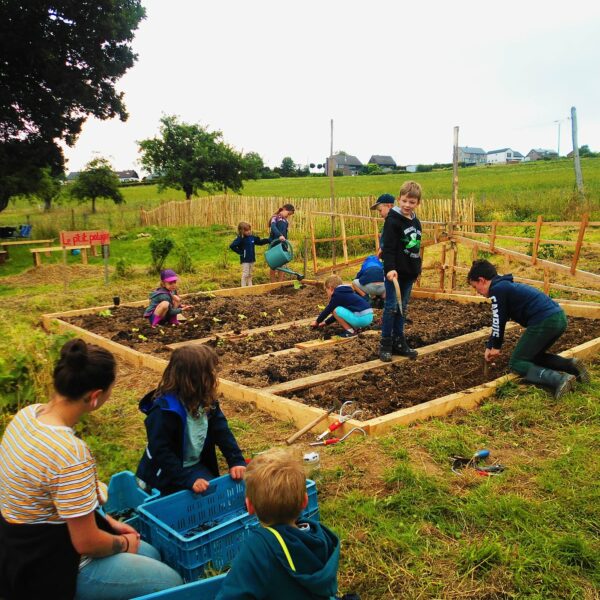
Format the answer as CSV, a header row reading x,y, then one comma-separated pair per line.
x,y
321,306
142,337
242,317
297,285
264,314
135,329
215,319
105,313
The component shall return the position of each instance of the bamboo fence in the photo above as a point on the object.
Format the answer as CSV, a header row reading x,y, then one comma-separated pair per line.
x,y
230,210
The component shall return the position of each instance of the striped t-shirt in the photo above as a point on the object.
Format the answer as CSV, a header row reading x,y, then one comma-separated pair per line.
x,y
47,474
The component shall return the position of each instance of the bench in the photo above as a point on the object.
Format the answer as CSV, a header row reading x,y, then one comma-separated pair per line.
x,y
3,256
37,260
4,245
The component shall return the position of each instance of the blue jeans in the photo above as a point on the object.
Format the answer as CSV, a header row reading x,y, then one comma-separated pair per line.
x,y
393,322
125,575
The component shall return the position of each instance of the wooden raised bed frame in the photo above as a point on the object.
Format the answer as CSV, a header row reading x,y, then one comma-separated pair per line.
x,y
300,414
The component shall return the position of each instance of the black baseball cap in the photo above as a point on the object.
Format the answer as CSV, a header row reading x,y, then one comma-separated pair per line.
x,y
384,199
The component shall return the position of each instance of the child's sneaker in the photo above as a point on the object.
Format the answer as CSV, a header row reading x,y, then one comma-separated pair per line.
x,y
347,334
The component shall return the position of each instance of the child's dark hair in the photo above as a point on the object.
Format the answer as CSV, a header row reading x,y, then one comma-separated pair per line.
x,y
82,368
242,227
482,268
289,207
191,375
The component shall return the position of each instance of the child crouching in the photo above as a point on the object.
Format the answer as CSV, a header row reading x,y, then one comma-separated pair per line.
x,y
286,557
165,304
345,306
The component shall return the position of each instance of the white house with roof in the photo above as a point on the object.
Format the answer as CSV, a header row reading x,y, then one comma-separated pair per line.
x,y
503,156
470,155
540,153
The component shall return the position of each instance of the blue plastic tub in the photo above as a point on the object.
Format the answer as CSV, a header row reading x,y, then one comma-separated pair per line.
x,y
124,494
205,589
191,530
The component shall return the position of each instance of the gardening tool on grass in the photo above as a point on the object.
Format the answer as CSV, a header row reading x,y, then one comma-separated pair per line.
x,y
461,462
309,426
398,295
340,420
335,440
279,254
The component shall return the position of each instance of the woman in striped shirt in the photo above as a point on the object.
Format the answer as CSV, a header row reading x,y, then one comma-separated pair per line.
x,y
53,543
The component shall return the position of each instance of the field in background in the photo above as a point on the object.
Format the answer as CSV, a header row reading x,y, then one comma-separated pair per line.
x,y
505,192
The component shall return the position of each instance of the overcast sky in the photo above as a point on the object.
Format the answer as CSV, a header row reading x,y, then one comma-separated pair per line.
x,y
395,77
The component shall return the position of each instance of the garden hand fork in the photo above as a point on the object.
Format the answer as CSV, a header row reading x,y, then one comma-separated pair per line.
x,y
342,418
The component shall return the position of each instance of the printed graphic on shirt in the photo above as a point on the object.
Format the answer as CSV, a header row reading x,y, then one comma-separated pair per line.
x,y
412,242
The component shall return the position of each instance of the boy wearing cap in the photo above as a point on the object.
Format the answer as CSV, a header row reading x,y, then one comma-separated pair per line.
x,y
165,304
401,241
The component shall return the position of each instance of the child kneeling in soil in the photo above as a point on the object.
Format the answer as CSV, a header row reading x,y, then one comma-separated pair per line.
x,y
345,306
165,304
184,424
244,246
369,281
286,557
544,320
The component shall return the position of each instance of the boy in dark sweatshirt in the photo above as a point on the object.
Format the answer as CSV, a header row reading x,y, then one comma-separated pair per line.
x,y
345,306
286,557
544,320
401,245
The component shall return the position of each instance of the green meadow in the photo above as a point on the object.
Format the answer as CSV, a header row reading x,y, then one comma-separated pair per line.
x,y
410,528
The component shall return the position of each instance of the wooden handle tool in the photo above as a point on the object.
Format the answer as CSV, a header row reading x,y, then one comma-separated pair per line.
x,y
308,427
398,294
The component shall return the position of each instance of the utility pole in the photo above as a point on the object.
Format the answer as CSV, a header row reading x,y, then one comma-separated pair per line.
x,y
558,122
454,178
576,161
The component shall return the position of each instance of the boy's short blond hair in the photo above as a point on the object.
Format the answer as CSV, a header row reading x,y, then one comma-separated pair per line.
x,y
411,189
333,281
276,486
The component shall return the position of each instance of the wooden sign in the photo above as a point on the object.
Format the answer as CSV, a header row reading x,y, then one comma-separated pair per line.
x,y
97,237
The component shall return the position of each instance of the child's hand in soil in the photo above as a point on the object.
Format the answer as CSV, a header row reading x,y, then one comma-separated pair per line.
x,y
237,472
491,354
200,485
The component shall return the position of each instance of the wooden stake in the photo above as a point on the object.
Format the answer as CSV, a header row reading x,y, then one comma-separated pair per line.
x,y
582,227
536,241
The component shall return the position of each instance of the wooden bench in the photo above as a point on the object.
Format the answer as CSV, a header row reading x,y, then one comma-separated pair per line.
x,y
4,245
3,256
37,260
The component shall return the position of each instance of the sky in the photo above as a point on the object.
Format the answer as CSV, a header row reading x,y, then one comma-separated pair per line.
x,y
395,77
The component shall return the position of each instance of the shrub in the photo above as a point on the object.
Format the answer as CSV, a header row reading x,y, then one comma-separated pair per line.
x,y
159,249
123,269
184,259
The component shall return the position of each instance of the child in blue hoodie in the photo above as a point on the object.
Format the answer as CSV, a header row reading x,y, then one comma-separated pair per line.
x,y
286,557
184,425
544,321
345,306
369,281
244,246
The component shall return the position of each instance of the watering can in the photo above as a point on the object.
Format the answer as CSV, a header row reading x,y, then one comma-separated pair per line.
x,y
279,254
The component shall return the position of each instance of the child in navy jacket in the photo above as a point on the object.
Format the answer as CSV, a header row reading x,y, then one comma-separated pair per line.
x,y
244,246
345,306
545,321
184,424
369,281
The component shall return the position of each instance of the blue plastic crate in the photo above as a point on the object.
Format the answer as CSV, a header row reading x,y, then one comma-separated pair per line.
x,y
166,523
205,589
124,493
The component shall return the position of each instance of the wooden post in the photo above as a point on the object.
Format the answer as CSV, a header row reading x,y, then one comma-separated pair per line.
x,y
536,241
546,280
443,267
493,235
454,250
474,253
584,222
576,161
331,168
314,244
344,241
454,180
376,231
305,256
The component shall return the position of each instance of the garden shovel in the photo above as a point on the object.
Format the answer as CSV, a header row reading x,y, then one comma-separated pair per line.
x,y
398,295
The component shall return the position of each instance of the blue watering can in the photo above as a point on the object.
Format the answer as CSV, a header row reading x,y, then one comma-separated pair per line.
x,y
279,254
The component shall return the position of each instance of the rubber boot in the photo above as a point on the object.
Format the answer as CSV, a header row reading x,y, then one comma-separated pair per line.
x,y
560,383
385,349
401,347
574,366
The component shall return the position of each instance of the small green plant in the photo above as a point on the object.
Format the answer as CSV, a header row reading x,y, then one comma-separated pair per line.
x,y
123,268
184,262
105,313
160,247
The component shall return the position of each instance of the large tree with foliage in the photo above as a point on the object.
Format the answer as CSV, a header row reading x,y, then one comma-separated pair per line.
x,y
252,166
189,157
60,60
288,167
98,180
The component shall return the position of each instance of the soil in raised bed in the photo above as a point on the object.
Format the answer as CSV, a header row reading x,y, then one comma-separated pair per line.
x,y
431,321
385,390
208,315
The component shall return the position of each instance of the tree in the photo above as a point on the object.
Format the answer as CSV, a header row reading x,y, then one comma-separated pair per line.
x,y
60,63
97,180
48,188
288,167
252,166
191,158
